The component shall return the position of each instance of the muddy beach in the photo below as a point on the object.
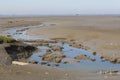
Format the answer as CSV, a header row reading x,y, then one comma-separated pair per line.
x,y
66,34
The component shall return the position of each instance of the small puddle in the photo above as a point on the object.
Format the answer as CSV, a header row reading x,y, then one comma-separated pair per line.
x,y
69,51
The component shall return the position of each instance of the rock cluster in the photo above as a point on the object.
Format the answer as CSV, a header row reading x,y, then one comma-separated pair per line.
x,y
56,48
19,50
109,72
84,57
112,59
53,57
75,44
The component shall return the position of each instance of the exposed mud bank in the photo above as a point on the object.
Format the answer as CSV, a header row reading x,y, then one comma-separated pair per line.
x,y
19,50
5,59
15,51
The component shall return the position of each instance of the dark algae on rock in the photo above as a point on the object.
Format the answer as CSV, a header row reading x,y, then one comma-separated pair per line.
x,y
4,39
19,50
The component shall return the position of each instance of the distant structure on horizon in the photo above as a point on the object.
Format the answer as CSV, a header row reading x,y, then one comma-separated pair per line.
x,y
76,14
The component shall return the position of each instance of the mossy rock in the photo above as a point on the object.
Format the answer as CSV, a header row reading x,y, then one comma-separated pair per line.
x,y
4,39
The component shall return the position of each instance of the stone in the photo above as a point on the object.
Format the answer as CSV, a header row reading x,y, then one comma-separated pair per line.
x,y
33,62
56,64
94,53
84,57
48,65
56,48
43,62
53,57
5,59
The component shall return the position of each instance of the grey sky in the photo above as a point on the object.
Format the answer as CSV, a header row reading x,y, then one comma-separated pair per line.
x,y
46,7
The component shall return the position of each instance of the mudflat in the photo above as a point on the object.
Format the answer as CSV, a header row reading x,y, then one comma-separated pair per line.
x,y
99,33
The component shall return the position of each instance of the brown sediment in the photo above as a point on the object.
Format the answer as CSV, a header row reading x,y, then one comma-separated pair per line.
x,y
91,31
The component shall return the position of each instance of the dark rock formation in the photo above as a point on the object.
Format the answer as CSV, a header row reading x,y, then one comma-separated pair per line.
x,y
19,50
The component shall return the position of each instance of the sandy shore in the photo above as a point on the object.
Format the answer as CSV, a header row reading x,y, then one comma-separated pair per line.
x,y
36,72
96,32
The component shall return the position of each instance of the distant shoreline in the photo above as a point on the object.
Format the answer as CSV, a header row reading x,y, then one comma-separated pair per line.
x,y
10,16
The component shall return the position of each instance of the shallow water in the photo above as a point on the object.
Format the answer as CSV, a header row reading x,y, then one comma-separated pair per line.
x,y
69,51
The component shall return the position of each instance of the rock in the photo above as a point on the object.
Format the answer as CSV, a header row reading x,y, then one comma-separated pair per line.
x,y
40,44
33,62
1,41
112,59
114,71
109,72
45,44
101,57
72,40
69,60
58,39
24,29
48,65
41,41
118,60
40,56
58,60
5,59
20,50
93,59
43,62
48,50
74,44
56,64
65,62
52,41
56,48
45,55
83,57
53,57
94,53
9,36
